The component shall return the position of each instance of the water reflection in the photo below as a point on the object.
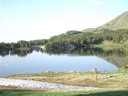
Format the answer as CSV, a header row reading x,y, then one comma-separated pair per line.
x,y
86,52
76,52
20,53
117,57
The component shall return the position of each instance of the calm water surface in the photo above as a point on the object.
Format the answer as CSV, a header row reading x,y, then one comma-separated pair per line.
x,y
35,61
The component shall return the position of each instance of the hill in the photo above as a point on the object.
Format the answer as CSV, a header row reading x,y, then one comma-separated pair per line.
x,y
115,32
120,22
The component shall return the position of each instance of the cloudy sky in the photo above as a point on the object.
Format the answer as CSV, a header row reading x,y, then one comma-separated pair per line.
x,y
40,19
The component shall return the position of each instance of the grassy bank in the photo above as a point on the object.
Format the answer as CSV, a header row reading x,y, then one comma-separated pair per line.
x,y
110,45
112,84
117,79
103,92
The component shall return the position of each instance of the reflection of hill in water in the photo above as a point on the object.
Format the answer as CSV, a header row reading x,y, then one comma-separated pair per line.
x,y
117,57
116,60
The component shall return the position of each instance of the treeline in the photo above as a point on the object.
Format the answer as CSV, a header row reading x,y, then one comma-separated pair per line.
x,y
72,40
22,44
77,39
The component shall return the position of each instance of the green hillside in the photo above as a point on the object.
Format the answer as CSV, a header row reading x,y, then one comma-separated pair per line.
x,y
115,32
120,22
76,39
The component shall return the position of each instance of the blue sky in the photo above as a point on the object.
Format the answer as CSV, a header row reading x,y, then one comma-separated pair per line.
x,y
39,19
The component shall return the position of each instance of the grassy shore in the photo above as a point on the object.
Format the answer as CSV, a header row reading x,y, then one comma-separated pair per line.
x,y
117,79
111,84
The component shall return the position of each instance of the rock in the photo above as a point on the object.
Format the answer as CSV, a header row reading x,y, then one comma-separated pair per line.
x,y
110,76
72,71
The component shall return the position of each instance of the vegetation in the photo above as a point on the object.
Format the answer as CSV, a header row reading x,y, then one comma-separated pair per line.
x,y
119,22
22,44
114,32
107,42
77,39
117,79
112,84
101,92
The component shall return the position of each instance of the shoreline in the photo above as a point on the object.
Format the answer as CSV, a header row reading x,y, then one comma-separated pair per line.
x,y
37,84
117,79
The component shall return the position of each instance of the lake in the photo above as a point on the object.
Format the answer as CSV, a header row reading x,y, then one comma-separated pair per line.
x,y
82,60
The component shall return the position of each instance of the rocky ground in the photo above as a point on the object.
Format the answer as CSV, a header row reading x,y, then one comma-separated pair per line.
x,y
37,84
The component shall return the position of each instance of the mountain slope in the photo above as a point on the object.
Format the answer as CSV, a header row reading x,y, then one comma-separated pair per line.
x,y
88,30
120,22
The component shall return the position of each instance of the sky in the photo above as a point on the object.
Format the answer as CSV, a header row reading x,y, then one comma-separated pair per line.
x,y
41,19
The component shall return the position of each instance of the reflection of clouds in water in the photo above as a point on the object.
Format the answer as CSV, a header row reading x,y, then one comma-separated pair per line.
x,y
48,57
6,61
0,59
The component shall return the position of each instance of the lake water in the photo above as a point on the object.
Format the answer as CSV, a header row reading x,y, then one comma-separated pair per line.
x,y
37,61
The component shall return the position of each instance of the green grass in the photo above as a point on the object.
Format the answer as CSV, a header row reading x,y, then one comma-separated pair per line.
x,y
100,92
110,45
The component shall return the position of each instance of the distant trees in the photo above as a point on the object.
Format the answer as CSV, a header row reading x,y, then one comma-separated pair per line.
x,y
73,39
38,42
22,44
4,45
78,39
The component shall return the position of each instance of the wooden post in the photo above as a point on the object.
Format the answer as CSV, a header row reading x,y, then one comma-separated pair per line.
x,y
95,73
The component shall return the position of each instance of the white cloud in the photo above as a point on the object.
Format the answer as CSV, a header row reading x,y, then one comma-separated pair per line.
x,y
96,2
101,2
110,6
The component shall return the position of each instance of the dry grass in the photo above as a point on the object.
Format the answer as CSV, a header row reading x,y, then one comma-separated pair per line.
x,y
118,79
